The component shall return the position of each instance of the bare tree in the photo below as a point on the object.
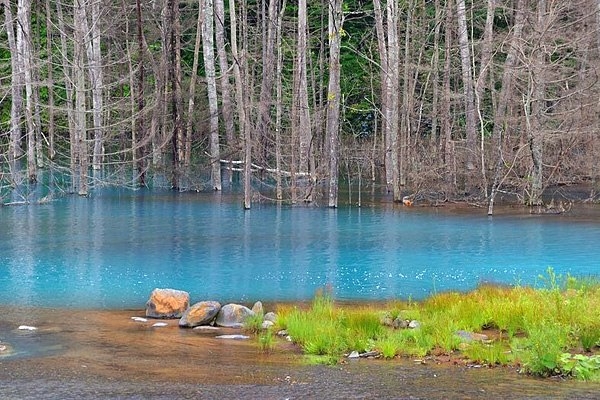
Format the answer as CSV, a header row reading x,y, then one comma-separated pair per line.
x,y
333,97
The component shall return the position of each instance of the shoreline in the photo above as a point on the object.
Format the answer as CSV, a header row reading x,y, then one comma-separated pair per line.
x,y
105,354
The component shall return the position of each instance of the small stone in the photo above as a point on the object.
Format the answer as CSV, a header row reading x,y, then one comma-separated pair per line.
x,y
257,308
233,337
27,328
270,316
206,329
202,313
160,324
139,319
282,332
267,324
400,323
414,324
354,354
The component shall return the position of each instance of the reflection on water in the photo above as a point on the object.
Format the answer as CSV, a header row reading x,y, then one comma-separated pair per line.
x,y
111,250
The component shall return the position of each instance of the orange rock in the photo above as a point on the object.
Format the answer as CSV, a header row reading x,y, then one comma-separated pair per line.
x,y
167,303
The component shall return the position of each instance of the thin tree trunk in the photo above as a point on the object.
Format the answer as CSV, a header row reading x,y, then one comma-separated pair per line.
x,y
50,81
15,150
24,46
500,115
468,88
211,82
238,64
447,144
80,92
266,89
193,78
384,71
304,126
279,105
175,74
227,112
392,89
140,118
333,97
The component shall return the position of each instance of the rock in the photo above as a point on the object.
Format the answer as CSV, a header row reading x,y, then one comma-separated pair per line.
x,y
233,315
202,313
387,320
369,354
414,324
167,303
469,337
207,329
400,323
27,328
139,319
282,332
160,324
354,354
257,308
233,337
267,324
270,316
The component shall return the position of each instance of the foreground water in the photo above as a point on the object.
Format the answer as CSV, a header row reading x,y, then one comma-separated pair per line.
x,y
112,249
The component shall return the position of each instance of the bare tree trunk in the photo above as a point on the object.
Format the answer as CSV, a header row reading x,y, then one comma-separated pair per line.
x,y
211,82
175,74
200,27
500,122
392,89
238,66
50,81
333,97
140,119
266,89
278,104
24,46
80,91
407,98
227,112
383,60
94,55
304,126
468,88
534,108
68,72
446,141
15,150
436,79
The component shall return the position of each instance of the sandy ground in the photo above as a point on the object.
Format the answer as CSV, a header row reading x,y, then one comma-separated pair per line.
x,y
105,354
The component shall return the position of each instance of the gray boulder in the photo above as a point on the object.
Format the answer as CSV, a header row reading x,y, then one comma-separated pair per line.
x,y
233,315
202,313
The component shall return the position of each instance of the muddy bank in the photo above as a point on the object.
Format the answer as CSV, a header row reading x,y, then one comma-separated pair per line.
x,y
104,354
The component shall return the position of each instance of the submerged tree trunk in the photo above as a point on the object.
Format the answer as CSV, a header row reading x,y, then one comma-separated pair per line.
x,y
80,128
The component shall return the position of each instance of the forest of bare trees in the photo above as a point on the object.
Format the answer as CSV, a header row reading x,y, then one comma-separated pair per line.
x,y
293,99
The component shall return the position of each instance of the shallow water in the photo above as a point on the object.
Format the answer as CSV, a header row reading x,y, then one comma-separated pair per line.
x,y
112,249
104,354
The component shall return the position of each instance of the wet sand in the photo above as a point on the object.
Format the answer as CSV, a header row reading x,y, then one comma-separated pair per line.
x,y
82,354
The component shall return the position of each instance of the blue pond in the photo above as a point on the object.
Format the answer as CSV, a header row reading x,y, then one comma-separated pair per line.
x,y
112,249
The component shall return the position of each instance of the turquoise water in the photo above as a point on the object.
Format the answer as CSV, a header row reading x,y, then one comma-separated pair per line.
x,y
112,249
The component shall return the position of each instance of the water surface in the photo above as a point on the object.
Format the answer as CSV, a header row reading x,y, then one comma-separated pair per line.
x,y
112,249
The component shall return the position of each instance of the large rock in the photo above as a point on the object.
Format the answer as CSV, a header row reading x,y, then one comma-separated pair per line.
x,y
167,303
233,315
201,313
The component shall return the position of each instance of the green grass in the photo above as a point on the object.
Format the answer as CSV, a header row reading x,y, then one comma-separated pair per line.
x,y
530,327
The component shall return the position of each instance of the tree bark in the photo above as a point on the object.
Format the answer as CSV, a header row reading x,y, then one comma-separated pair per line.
x,y
80,94
211,82
15,151
304,126
468,88
333,97
227,111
